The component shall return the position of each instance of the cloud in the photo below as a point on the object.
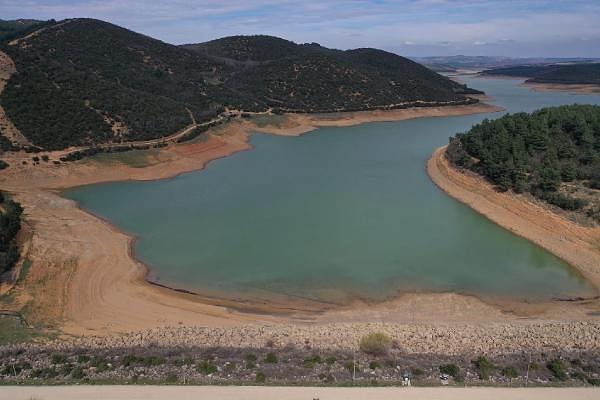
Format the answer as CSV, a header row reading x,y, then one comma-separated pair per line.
x,y
516,27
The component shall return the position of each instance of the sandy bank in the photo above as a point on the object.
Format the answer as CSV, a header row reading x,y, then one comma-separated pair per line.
x,y
291,393
577,245
561,87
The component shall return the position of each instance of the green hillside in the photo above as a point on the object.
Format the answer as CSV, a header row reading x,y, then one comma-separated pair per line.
x,y
85,82
312,78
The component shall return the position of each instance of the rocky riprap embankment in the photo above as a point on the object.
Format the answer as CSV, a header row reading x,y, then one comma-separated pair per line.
x,y
452,339
317,354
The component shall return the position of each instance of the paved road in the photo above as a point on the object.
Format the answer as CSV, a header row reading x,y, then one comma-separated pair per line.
x,y
288,393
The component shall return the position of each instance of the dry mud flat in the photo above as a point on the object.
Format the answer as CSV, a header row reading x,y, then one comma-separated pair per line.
x,y
290,393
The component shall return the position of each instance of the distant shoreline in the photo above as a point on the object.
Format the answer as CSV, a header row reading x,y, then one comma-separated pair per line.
x,y
577,88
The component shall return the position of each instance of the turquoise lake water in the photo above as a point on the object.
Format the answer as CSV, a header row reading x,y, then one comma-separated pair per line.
x,y
334,214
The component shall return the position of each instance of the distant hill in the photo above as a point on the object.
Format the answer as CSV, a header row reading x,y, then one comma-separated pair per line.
x,y
85,82
555,73
454,63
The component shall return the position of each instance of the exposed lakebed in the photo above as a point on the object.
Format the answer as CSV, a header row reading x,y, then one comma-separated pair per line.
x,y
332,215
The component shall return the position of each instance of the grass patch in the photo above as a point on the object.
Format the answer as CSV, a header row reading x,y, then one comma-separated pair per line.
x,y
24,270
12,330
133,158
268,120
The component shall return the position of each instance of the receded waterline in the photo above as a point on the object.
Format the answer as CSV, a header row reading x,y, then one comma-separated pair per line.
x,y
333,215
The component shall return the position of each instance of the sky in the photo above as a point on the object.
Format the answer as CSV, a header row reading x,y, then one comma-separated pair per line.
x,y
517,28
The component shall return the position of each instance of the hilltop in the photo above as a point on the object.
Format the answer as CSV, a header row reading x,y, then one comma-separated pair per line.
x,y
83,82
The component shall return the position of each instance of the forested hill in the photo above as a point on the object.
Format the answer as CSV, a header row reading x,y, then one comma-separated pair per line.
x,y
309,77
85,82
557,73
553,153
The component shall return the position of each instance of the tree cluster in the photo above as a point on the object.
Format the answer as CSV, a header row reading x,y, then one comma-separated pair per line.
x,y
10,224
535,152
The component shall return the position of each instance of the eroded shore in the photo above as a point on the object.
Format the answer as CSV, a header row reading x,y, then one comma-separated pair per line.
x,y
576,244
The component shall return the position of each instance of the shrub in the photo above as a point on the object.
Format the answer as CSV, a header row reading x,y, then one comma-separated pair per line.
x,y
59,359
563,201
77,373
330,360
509,372
312,361
100,364
484,368
534,366
350,365
206,367
579,376
557,368
82,359
152,361
184,361
129,360
594,381
374,365
376,343
260,377
250,357
271,358
66,369
417,372
171,378
450,369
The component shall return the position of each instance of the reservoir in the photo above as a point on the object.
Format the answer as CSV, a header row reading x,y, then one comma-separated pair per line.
x,y
333,215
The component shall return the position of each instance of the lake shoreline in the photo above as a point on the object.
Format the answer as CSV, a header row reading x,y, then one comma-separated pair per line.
x,y
93,285
575,88
575,244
